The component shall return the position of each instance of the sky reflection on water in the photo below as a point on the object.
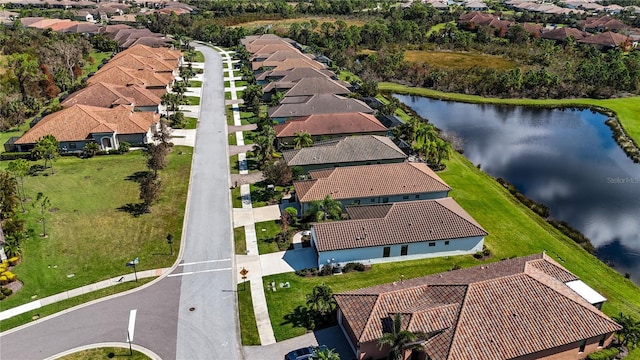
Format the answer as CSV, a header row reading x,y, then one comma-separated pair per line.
x,y
566,159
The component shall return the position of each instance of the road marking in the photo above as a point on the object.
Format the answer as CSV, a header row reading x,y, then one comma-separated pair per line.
x,y
132,324
203,262
198,272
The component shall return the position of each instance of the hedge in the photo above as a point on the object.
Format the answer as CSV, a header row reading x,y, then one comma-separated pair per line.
x,y
15,155
605,354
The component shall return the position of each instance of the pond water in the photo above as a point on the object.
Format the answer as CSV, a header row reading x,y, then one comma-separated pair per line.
x,y
566,159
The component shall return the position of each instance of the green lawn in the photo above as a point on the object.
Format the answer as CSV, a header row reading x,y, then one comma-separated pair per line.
x,y
626,109
234,165
240,240
16,131
438,27
97,60
232,139
190,123
229,113
513,231
241,83
236,199
248,328
192,100
227,83
90,239
260,196
266,232
68,303
195,83
227,95
198,57
103,353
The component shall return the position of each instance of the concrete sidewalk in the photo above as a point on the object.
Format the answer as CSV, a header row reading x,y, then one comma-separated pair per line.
x,y
79,291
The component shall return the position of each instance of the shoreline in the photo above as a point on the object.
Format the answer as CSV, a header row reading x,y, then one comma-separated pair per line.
x,y
619,133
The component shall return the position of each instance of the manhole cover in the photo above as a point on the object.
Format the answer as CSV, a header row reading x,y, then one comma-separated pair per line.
x,y
192,308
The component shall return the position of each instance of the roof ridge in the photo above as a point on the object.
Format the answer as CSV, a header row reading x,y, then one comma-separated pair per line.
x,y
437,201
370,317
457,319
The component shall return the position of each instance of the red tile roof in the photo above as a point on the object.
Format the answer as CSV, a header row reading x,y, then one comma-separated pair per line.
x,y
353,182
502,310
405,222
608,38
79,121
108,95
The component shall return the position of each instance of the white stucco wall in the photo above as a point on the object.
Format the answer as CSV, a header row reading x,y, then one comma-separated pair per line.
x,y
421,250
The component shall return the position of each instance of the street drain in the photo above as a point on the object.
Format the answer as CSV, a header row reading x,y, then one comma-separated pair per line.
x,y
192,308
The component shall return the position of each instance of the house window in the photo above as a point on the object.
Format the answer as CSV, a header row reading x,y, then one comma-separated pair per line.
x,y
404,250
602,339
583,344
417,196
385,200
432,244
373,200
405,197
446,242
386,252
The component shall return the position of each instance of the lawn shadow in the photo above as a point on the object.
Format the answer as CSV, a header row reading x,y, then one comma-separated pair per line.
x,y
300,317
138,176
134,209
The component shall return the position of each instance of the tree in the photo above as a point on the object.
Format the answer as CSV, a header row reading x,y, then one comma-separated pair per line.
x,y
321,300
398,340
252,96
149,191
47,148
276,98
43,204
186,73
12,246
324,353
156,157
90,149
20,169
8,194
629,335
302,139
278,173
443,150
163,135
324,209
171,101
179,88
264,144
25,68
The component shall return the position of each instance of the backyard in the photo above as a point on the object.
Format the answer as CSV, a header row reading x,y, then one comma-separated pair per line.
x,y
90,233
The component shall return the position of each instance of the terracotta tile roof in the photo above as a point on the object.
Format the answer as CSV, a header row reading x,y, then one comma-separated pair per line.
x,y
405,223
317,85
108,95
264,39
84,28
79,121
608,38
345,150
47,23
563,33
297,106
114,28
294,63
124,76
355,182
606,22
169,56
132,61
283,58
502,310
260,49
155,40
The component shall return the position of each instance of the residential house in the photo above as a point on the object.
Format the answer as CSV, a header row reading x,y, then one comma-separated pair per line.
x,y
298,106
293,75
273,60
608,40
328,126
253,41
78,125
371,184
604,23
562,33
157,83
173,57
348,151
288,64
109,96
397,232
132,61
522,308
306,87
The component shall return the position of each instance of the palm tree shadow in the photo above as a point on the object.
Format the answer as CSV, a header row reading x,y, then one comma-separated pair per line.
x,y
134,209
299,317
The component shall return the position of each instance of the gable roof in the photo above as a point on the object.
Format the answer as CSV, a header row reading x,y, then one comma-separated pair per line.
x,y
132,61
563,33
404,223
78,122
345,150
608,38
124,76
316,85
331,124
295,74
282,58
370,181
292,63
295,106
109,95
606,22
502,310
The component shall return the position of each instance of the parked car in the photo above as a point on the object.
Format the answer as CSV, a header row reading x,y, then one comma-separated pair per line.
x,y
304,353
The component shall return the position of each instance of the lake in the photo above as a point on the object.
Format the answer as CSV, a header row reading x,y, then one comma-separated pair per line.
x,y
564,158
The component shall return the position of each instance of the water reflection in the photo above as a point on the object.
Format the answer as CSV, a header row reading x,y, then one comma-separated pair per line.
x,y
566,159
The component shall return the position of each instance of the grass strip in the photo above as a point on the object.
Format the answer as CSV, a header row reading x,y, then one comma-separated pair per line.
x,y
68,303
105,353
192,100
240,240
234,164
626,109
232,139
248,326
266,232
236,198
190,123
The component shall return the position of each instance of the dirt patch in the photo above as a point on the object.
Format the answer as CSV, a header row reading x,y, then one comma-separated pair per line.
x,y
54,210
459,60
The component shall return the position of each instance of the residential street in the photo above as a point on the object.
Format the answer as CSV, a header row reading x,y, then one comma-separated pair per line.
x,y
190,314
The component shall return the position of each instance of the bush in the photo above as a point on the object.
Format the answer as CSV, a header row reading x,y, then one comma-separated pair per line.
x,y
326,270
124,147
604,354
6,291
15,155
3,280
478,255
353,266
9,275
13,261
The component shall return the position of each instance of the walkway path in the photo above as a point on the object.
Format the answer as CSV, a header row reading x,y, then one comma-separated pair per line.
x,y
79,291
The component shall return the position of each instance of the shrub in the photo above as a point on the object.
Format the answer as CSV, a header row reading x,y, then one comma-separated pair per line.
x,y
485,251
9,275
3,280
15,155
2,297
353,266
124,147
13,261
326,270
456,267
604,354
6,291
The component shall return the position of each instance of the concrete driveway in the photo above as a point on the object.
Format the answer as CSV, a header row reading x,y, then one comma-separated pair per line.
x,y
288,261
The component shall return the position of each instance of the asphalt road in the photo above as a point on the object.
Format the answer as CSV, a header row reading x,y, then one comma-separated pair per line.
x,y
190,315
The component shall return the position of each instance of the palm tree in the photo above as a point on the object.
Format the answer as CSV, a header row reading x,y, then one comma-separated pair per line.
x,y
321,300
443,150
20,169
398,340
323,209
263,144
630,332
324,353
302,139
